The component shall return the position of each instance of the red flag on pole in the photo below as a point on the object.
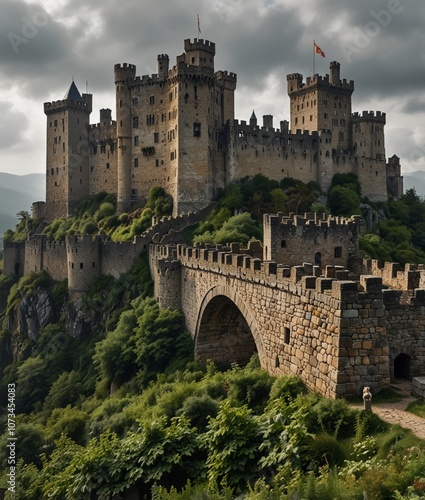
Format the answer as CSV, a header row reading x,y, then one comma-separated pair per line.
x,y
318,50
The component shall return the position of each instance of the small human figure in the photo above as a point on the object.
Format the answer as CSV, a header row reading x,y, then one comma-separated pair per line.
x,y
367,398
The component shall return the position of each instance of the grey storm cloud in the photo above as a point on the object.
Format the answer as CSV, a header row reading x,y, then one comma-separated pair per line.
x,y
11,121
252,40
379,43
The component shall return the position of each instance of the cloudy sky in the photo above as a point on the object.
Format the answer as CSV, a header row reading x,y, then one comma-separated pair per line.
x,y
44,44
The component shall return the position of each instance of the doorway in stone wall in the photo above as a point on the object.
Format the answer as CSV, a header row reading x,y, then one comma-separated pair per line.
x,y
318,259
402,367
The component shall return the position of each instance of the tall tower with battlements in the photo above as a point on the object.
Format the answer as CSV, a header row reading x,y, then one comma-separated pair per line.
x,y
168,127
67,152
124,80
322,103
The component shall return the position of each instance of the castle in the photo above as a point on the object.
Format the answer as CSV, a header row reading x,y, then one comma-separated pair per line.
x,y
176,129
321,313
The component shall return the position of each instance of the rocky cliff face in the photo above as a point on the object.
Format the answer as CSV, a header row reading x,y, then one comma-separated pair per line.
x,y
35,311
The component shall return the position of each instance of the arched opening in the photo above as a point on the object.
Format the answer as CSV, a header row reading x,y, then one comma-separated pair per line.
x,y
402,366
17,269
318,259
224,334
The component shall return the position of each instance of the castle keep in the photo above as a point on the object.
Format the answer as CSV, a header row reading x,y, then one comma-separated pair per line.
x,y
176,129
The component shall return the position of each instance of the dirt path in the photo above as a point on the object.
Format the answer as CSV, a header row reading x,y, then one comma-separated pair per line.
x,y
394,413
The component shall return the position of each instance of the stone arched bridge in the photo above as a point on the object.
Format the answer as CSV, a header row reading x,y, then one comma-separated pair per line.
x,y
337,334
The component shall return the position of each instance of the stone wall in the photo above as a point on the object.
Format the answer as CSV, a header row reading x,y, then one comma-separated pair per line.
x,y
405,327
314,238
13,258
418,387
319,328
395,276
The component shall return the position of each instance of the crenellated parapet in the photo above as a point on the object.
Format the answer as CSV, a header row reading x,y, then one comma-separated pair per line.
x,y
319,82
325,240
370,116
226,79
85,106
199,45
394,275
124,73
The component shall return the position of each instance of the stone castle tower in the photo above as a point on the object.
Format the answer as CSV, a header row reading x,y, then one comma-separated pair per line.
x,y
176,129
67,154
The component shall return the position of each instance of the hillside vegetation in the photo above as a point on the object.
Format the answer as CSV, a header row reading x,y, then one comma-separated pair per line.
x,y
110,399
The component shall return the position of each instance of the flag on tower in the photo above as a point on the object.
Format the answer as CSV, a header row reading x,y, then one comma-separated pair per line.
x,y
318,50
199,25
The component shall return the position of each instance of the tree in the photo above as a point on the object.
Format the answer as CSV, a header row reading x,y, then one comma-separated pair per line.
x,y
343,201
238,229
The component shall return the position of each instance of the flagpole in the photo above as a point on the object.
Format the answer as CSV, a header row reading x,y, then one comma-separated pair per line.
x,y
199,27
314,57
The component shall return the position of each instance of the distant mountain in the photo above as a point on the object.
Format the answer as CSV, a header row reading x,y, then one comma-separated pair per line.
x,y
18,192
415,180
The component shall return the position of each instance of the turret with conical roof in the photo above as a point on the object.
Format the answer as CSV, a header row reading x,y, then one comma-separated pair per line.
x,y
253,120
67,156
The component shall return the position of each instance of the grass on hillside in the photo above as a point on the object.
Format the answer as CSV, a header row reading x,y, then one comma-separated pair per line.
x,y
417,408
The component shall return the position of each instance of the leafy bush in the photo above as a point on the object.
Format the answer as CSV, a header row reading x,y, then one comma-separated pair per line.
x,y
66,390
240,228
327,450
287,387
334,417
249,387
198,408
69,422
232,442
146,340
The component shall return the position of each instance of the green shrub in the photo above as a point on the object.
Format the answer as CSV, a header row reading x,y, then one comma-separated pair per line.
x,y
287,387
68,421
66,390
334,417
198,408
327,450
249,387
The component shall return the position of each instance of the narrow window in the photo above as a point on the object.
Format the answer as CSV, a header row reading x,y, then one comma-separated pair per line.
x,y
136,122
338,252
283,244
152,99
81,265
286,335
197,129
136,162
136,140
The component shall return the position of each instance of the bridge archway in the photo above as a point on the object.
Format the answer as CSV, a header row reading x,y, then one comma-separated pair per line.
x,y
226,330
